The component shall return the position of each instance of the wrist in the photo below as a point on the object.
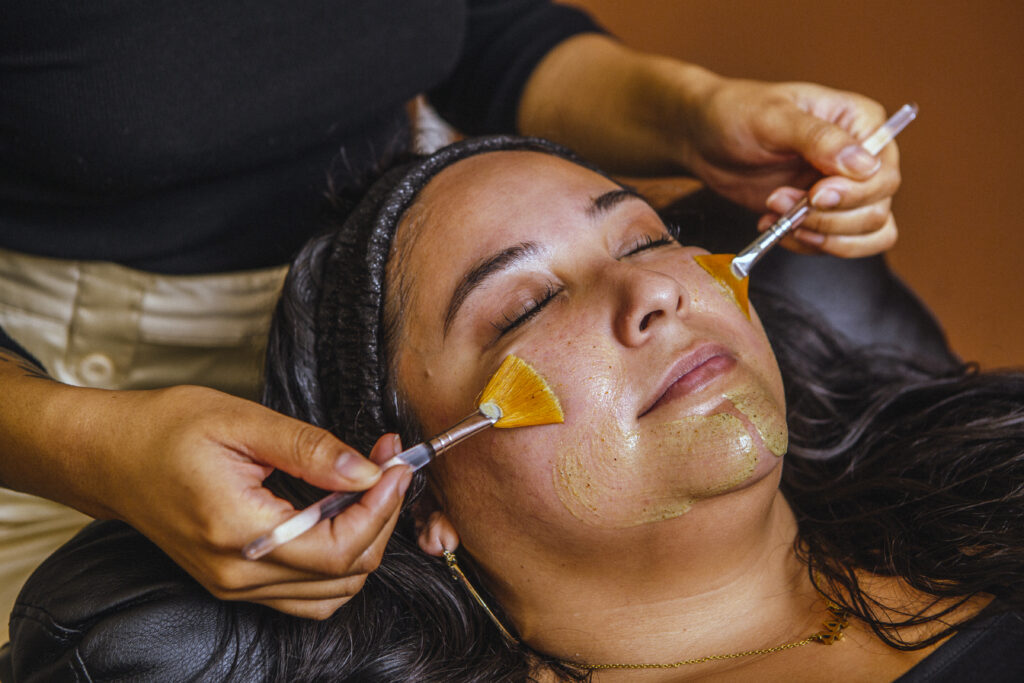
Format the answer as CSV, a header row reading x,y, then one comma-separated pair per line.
x,y
631,112
671,100
48,437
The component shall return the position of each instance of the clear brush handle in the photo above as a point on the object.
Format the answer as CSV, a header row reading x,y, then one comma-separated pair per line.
x,y
877,141
331,505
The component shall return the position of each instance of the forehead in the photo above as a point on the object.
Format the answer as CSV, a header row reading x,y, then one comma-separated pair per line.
x,y
499,185
486,201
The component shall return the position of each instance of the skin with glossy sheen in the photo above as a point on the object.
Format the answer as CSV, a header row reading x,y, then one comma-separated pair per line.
x,y
609,312
585,483
767,416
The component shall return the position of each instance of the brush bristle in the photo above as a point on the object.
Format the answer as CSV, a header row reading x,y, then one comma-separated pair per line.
x,y
719,266
524,397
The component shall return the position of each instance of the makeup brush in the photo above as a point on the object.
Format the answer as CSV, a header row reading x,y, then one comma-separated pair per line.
x,y
515,396
882,136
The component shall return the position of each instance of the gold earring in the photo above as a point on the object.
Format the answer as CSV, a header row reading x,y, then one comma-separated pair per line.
x,y
456,570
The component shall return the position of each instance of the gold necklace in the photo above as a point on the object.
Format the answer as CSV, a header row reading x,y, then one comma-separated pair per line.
x,y
837,620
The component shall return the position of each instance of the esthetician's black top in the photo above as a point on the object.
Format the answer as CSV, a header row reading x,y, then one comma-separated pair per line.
x,y
110,605
197,136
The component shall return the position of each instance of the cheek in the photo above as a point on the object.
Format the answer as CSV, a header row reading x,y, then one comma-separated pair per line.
x,y
504,465
714,297
584,367
500,480
764,410
763,401
442,393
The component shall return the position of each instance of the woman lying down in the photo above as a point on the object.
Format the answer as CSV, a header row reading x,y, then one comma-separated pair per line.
x,y
672,527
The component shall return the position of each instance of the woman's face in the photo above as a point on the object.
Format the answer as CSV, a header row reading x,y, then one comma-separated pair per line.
x,y
671,394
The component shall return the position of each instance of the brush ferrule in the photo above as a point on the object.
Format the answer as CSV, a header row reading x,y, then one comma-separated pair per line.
x,y
746,259
463,429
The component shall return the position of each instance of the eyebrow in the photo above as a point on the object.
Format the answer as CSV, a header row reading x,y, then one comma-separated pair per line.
x,y
503,260
510,256
609,200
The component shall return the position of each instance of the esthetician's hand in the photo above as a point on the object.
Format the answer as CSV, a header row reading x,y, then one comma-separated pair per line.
x,y
185,467
762,144
759,144
193,486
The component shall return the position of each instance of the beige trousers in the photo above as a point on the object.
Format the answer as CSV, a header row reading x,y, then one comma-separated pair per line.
x,y
103,325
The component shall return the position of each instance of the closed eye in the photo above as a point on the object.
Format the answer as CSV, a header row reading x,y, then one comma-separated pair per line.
x,y
528,309
645,242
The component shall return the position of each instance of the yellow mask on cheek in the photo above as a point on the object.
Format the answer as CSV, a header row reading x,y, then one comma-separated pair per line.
x,y
717,265
768,418
614,478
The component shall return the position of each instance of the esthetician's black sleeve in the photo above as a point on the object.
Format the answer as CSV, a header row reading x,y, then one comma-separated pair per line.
x,y
8,344
503,42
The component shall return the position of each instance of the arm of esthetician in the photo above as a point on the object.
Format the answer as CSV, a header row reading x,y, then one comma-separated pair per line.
x,y
758,144
185,466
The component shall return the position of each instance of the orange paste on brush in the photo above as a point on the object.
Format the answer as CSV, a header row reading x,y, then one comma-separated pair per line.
x,y
717,265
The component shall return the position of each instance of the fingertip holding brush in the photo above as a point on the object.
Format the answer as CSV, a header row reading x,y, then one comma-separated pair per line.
x,y
742,263
515,396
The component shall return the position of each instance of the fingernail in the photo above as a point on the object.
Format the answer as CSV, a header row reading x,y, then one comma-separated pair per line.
x,y
826,199
355,468
856,160
781,202
810,237
396,445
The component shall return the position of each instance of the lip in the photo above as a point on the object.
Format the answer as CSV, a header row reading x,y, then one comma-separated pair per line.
x,y
691,373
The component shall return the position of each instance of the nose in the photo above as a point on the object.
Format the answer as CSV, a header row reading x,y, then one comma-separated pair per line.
x,y
647,301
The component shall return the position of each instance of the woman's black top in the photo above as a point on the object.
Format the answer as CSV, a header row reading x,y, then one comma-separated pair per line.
x,y
992,651
197,136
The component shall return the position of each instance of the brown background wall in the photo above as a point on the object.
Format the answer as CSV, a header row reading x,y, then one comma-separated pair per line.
x,y
958,210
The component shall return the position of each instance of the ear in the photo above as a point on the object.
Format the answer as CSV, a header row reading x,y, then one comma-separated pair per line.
x,y
438,535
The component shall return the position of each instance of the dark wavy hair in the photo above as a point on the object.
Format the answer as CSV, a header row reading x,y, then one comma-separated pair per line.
x,y
896,467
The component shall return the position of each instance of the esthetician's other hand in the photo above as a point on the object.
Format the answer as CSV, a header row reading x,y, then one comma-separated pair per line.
x,y
208,456
185,467
759,144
